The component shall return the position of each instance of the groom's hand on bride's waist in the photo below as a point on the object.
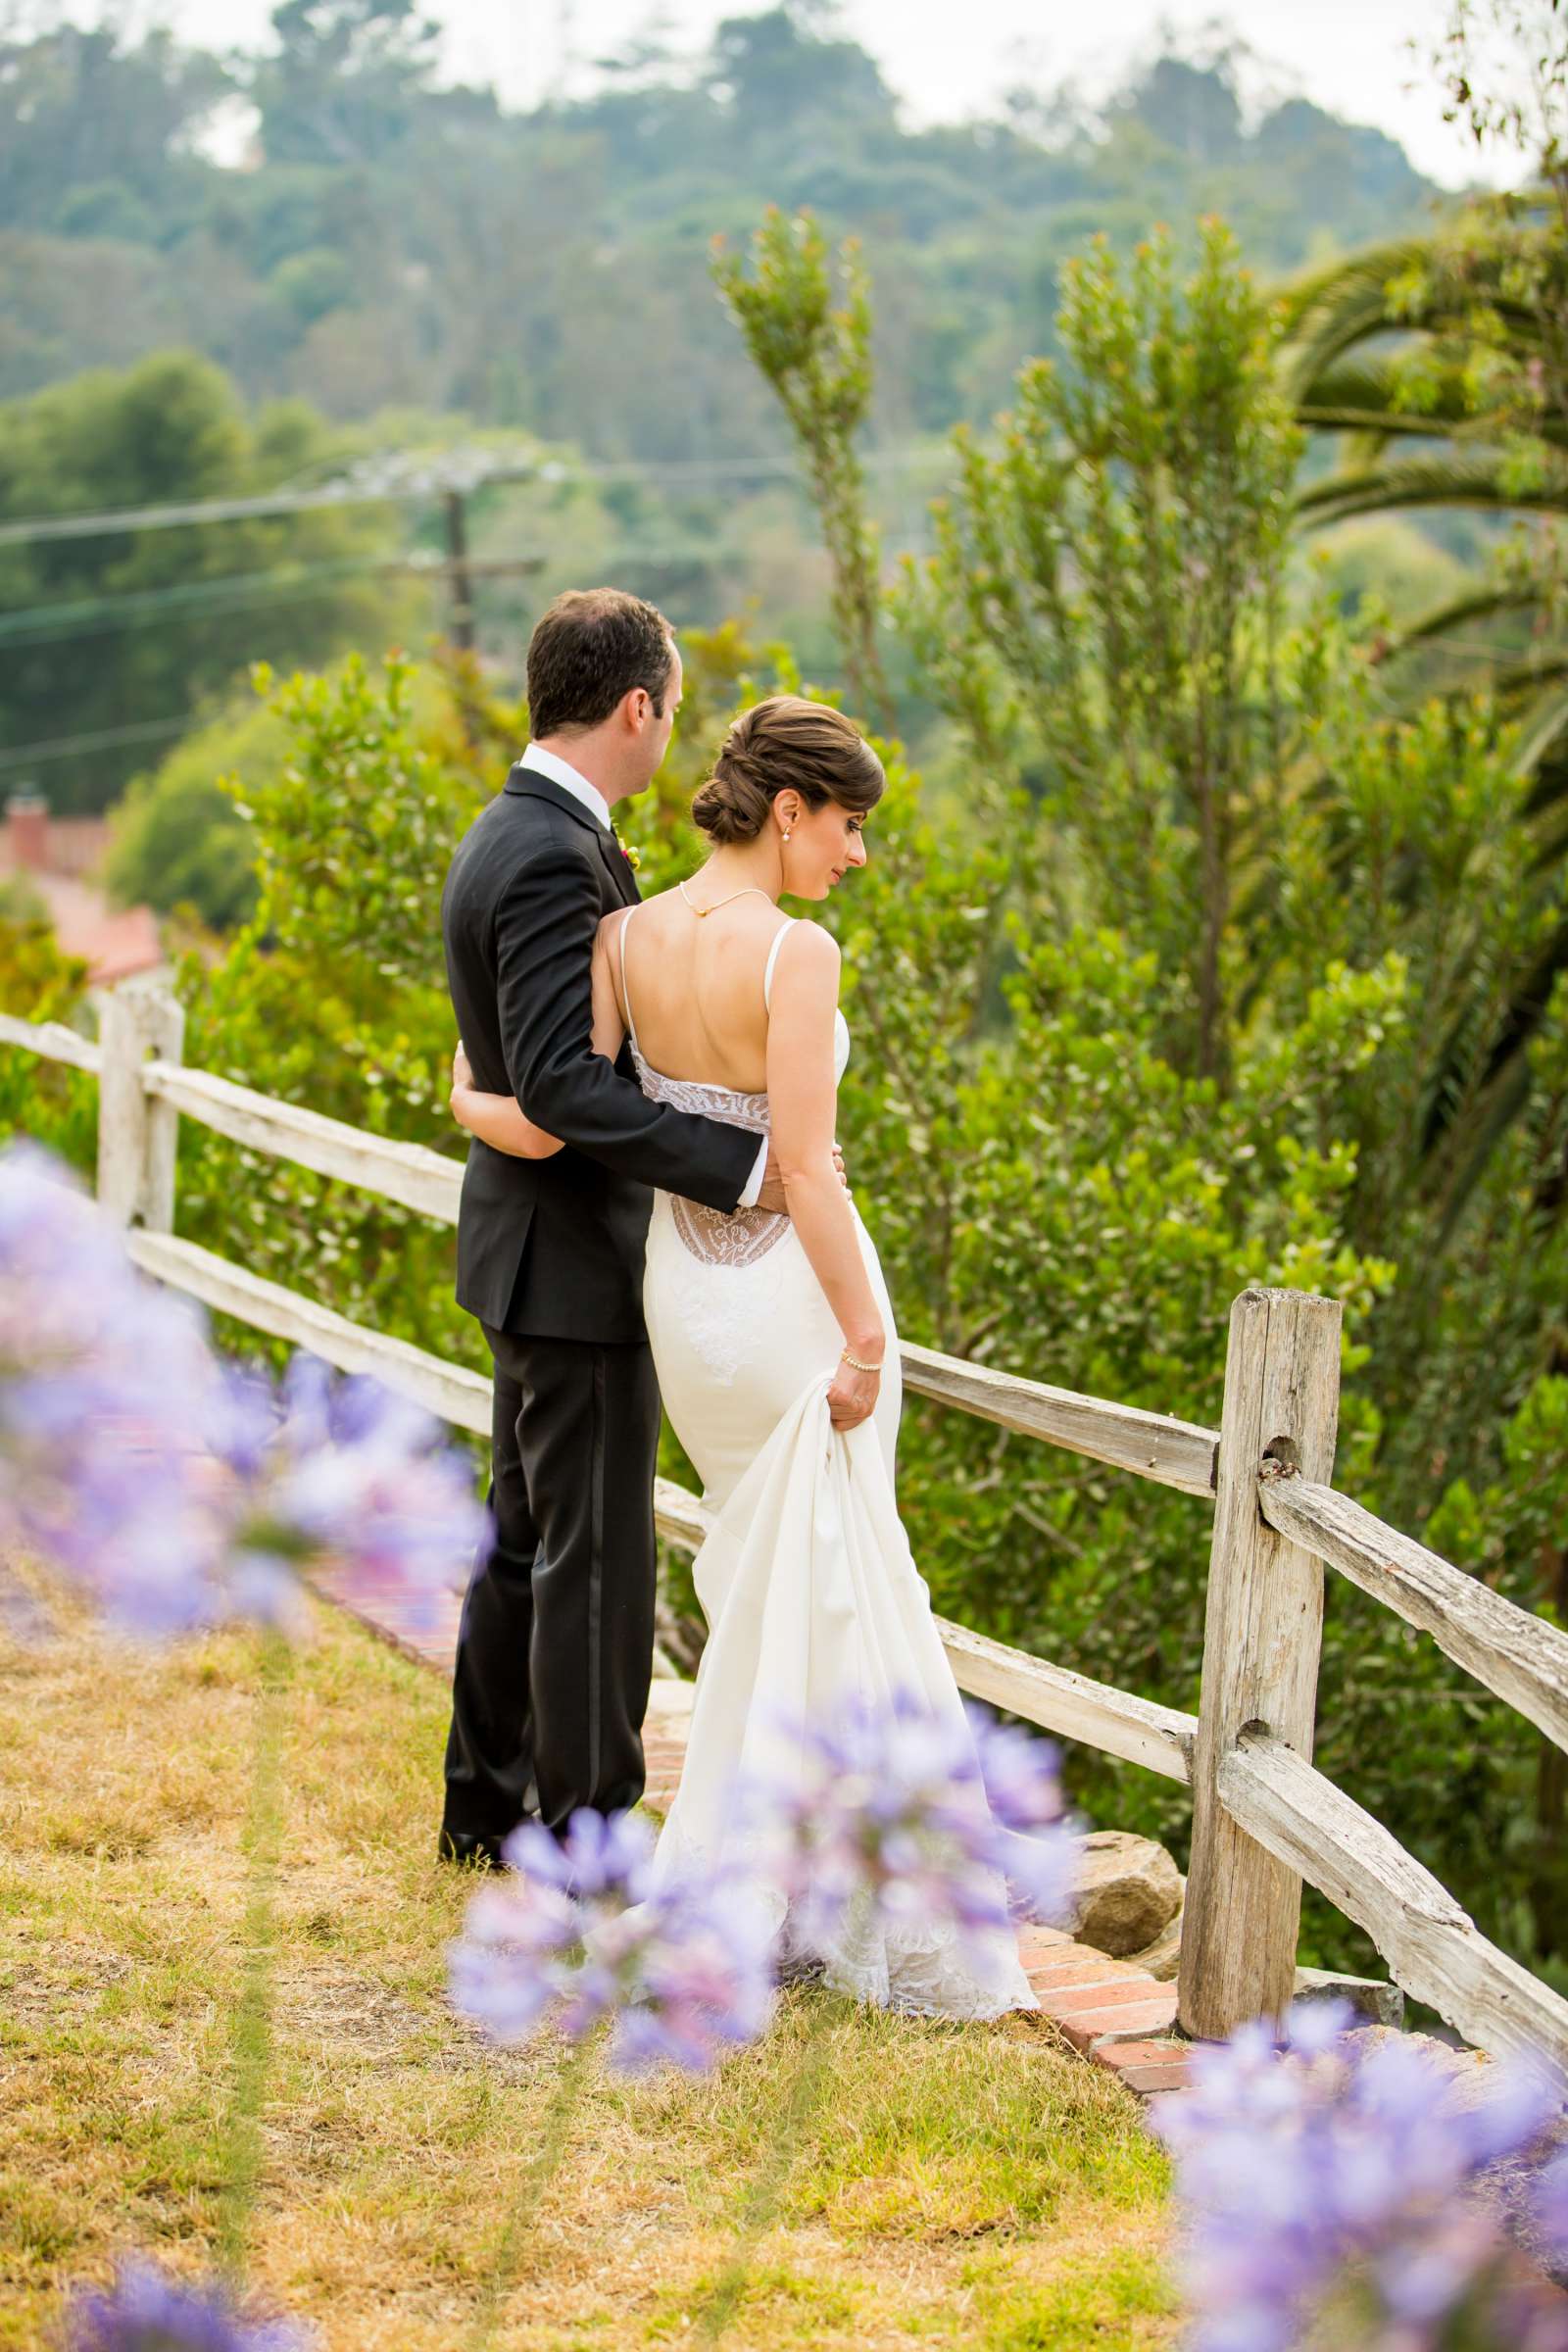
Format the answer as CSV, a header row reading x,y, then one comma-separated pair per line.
x,y
772,1196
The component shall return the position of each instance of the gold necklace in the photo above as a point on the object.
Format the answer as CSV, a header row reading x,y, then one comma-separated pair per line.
x,y
702,911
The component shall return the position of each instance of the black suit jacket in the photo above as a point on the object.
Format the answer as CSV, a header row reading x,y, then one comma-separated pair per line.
x,y
554,1248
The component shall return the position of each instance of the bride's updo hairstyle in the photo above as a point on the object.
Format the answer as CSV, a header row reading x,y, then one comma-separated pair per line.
x,y
786,744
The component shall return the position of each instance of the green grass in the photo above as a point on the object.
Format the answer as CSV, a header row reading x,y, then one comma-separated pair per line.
x,y
960,2185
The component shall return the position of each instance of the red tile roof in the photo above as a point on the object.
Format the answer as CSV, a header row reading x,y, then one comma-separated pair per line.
x,y
53,856
111,940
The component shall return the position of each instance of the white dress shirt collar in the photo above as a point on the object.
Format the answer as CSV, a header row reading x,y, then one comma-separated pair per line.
x,y
560,772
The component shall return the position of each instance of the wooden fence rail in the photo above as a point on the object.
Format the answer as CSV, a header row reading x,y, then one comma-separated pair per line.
x,y
1265,1819
1432,1947
1520,1657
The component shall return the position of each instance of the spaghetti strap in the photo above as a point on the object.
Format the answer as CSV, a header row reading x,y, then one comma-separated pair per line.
x,y
788,924
625,992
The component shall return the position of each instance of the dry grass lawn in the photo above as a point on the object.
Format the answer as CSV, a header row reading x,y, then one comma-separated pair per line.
x,y
962,2185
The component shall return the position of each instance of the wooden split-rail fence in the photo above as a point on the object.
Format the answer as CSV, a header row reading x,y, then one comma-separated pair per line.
x,y
1264,1817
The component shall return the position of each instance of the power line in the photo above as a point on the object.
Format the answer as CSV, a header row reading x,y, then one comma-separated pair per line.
x,y
38,624
367,488
240,592
114,519
353,491
230,592
61,746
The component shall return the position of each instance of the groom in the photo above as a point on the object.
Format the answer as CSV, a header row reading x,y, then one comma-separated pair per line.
x,y
555,1646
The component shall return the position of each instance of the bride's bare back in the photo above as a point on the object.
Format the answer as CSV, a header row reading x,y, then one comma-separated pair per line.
x,y
696,983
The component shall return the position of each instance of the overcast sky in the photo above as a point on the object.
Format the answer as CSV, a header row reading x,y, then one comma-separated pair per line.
x,y
1352,56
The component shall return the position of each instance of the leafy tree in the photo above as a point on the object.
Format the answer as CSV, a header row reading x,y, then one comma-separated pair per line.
x,y
416,191
334,994
816,357
1416,846
95,128
98,629
355,831
1439,366
1103,611
1518,1519
344,85
1515,96
178,839
780,78
1196,112
48,1101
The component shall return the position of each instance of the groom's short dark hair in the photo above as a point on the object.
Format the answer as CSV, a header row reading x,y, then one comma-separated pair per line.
x,y
590,648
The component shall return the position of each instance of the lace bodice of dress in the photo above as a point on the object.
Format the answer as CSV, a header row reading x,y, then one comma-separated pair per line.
x,y
727,1103
748,1234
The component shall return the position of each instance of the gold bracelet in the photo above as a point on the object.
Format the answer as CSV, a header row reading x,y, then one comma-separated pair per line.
x,y
848,1358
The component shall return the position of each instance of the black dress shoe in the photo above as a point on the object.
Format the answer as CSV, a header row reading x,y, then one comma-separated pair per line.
x,y
800,1968
469,1845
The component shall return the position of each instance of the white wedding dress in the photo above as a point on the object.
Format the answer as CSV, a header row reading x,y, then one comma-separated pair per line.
x,y
806,1581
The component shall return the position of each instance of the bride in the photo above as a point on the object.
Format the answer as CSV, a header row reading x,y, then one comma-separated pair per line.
x,y
772,1335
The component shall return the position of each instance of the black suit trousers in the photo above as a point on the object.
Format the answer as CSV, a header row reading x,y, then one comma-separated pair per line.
x,y
555,1648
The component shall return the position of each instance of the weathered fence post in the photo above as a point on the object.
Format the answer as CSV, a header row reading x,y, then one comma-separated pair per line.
x,y
1262,1632
136,1134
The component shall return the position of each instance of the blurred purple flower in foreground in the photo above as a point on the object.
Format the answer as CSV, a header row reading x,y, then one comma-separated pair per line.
x,y
105,1385
920,1820
146,2312
358,1475
578,1932
1322,2174
169,1487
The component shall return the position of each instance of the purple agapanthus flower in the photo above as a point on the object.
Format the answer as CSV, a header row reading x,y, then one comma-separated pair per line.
x,y
146,2311
1022,1772
579,1931
1313,2169
104,1389
352,1473
890,1810
172,1488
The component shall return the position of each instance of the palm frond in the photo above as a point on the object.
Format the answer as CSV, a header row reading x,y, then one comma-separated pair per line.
x,y
1363,396
1508,679
1547,807
1327,309
1476,603
1329,312
1506,1083
1458,479
1500,1105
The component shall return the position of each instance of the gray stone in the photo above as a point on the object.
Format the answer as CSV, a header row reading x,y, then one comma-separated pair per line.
x,y
1162,1957
1372,1998
1129,1889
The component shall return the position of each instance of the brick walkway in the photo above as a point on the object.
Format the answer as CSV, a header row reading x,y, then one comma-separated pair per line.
x,y
1110,2011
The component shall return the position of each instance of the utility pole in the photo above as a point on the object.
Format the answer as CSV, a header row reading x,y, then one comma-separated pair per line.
x,y
460,583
